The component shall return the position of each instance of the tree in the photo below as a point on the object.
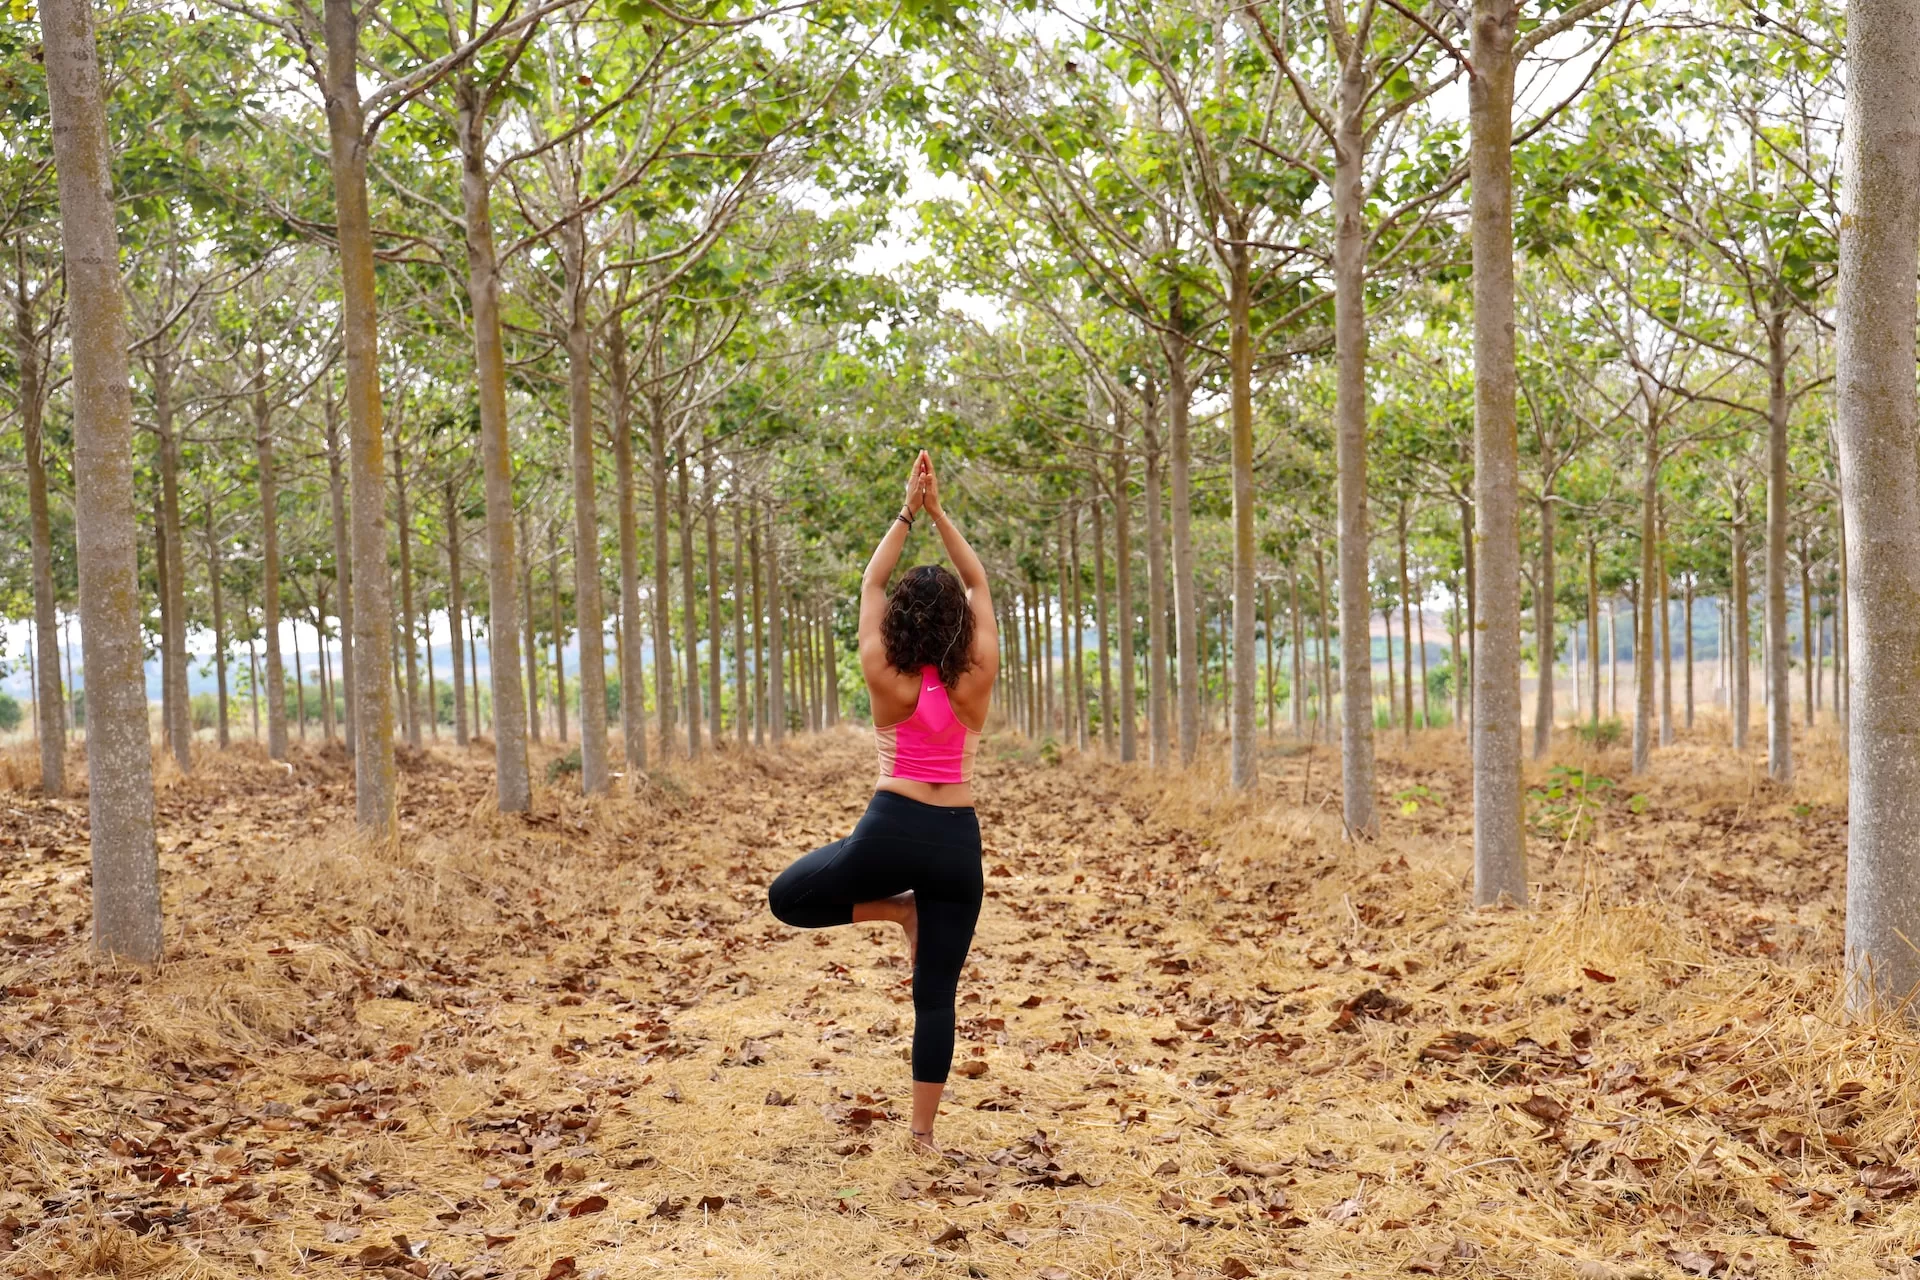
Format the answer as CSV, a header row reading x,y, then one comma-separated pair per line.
x,y
126,868
1879,440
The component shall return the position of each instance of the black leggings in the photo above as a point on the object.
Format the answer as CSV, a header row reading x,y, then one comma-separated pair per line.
x,y
901,844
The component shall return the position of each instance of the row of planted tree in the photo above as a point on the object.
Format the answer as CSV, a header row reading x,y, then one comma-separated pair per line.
x,y
1236,325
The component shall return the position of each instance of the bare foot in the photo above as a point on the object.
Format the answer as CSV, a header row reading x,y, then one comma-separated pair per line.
x,y
910,921
925,1145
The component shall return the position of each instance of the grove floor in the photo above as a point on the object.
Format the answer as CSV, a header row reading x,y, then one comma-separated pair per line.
x,y
1201,1034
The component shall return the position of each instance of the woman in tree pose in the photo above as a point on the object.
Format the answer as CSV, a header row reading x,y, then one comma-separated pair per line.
x,y
930,653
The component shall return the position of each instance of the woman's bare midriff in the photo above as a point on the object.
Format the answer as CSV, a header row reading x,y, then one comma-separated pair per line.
x,y
950,795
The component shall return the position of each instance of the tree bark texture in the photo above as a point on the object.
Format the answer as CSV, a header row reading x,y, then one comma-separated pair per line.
x,y
1499,848
120,807
1880,490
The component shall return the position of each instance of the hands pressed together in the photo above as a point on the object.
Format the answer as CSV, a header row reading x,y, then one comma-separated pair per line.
x,y
923,487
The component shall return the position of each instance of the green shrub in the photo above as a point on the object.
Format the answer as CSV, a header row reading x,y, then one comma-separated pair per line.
x,y
1607,733
564,766
11,713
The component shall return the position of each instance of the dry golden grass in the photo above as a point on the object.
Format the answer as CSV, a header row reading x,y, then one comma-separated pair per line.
x,y
1216,1038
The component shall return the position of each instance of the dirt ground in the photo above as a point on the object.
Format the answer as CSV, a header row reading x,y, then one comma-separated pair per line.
x,y
1201,1035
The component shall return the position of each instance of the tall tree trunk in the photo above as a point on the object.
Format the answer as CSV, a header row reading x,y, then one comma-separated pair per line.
x,y
1101,626
1808,661
1645,641
160,572
126,871
689,610
1686,639
404,521
559,633
342,563
1078,682
533,649
219,632
1295,705
1666,637
174,670
1326,642
1779,651
374,782
1473,595
1546,632
1499,849
1878,439
473,672
1350,445
777,692
1593,633
299,679
512,780
1273,693
665,706
633,677
269,557
1159,709
1420,623
711,510
1186,624
1245,771
742,703
1129,728
588,618
48,701
1406,631
760,690
456,611
1739,660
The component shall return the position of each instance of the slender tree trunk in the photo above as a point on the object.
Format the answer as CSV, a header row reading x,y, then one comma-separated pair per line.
x,y
161,573
559,633
760,691
326,675
374,789
1266,621
1186,638
219,631
1420,623
1666,638
1645,641
1808,660
533,650
1100,627
1779,651
1593,634
1078,655
404,522
299,679
1738,658
456,610
742,702
588,618
633,678
1878,439
777,692
512,781
1546,632
342,564
1129,728
1455,617
664,702
689,609
1500,862
715,727
1406,632
1473,596
1299,683
253,686
178,710
473,672
1245,770
1326,643
48,701
1686,639
1159,708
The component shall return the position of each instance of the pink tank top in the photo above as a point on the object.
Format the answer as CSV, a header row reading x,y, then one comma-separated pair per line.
x,y
931,745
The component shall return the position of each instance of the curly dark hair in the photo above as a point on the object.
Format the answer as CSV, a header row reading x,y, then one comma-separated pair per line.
x,y
929,623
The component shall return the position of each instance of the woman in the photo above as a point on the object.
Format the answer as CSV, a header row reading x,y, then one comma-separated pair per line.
x,y
930,652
